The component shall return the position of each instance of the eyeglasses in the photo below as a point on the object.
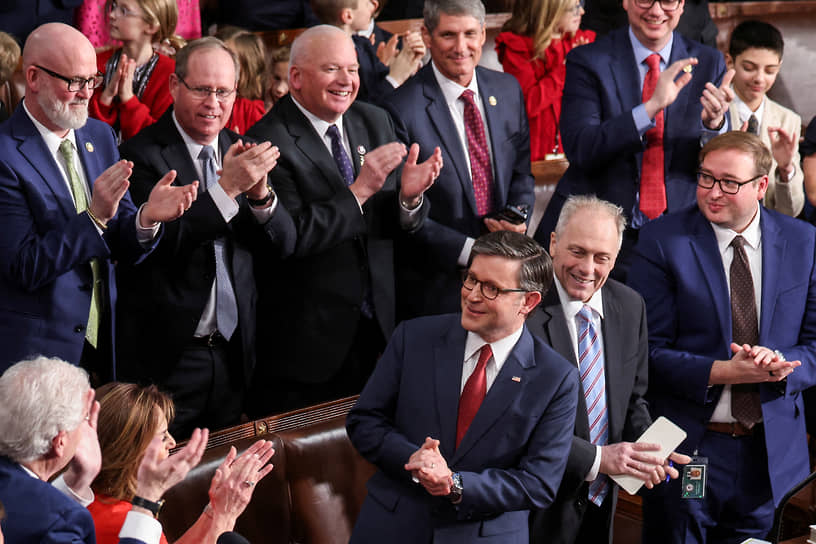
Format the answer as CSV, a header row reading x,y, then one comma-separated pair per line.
x,y
76,84
665,5
489,291
727,186
203,93
576,9
120,11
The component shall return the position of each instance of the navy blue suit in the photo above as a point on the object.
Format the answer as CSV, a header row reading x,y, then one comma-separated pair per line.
x,y
427,271
679,271
374,88
38,512
600,139
511,459
45,249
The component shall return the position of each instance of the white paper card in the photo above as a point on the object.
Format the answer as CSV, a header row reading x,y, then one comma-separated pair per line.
x,y
662,432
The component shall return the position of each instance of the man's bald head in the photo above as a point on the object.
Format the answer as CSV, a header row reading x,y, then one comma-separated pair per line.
x,y
56,42
312,41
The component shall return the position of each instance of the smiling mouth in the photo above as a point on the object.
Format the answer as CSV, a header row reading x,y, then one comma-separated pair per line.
x,y
341,94
581,281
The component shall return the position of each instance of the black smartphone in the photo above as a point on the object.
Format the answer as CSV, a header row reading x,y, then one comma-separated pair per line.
x,y
512,214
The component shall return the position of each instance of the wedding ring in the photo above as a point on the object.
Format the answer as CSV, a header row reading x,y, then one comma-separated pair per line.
x,y
433,465
248,483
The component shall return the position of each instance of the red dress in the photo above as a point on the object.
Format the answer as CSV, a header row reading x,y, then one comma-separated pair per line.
x,y
245,113
108,516
542,82
136,114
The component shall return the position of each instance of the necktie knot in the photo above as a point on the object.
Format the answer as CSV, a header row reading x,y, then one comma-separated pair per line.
x,y
207,153
585,313
738,242
333,132
67,150
653,61
484,356
753,125
468,96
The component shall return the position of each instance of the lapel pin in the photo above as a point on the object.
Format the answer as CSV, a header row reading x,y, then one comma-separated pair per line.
x,y
89,147
687,68
492,100
361,150
517,379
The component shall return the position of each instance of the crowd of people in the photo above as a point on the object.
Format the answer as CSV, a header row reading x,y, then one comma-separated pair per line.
x,y
200,233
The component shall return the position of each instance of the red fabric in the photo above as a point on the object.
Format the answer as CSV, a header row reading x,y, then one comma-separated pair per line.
x,y
245,113
480,168
136,114
652,173
473,394
108,516
542,82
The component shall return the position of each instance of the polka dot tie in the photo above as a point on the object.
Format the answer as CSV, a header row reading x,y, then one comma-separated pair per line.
x,y
652,173
480,169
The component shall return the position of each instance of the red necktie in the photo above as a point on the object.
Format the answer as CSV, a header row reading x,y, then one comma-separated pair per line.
x,y
480,169
652,183
473,394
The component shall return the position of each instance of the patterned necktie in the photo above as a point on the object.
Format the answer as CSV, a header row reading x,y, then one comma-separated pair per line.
x,y
66,148
226,307
593,384
652,182
473,394
480,168
753,125
340,156
745,402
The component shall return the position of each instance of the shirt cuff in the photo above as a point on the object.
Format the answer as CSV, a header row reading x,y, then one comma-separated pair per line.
x,y
407,216
60,484
142,527
226,205
262,215
596,466
464,256
145,235
641,119
392,81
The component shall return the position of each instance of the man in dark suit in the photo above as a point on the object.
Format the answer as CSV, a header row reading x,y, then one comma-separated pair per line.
x,y
47,422
630,147
494,150
65,212
730,291
612,411
326,312
468,417
187,313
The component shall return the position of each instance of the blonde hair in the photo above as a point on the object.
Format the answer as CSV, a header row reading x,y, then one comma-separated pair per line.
x,y
9,56
164,14
537,19
127,423
251,53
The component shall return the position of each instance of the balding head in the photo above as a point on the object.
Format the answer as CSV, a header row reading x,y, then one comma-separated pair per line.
x,y
65,51
312,41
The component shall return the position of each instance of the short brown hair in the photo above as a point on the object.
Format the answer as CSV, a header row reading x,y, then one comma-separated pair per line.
x,y
744,142
251,53
127,424
328,11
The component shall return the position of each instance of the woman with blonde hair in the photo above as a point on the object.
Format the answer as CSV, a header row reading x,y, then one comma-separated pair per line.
x,y
136,91
532,46
130,416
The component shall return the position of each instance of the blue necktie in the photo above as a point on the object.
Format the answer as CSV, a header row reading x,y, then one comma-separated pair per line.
x,y
226,307
340,156
593,384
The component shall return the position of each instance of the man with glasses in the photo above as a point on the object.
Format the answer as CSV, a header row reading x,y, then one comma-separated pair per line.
x,y
468,416
65,212
636,104
730,291
187,314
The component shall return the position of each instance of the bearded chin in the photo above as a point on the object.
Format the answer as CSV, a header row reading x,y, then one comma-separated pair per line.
x,y
62,115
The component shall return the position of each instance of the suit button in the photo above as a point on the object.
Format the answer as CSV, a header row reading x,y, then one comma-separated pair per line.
x,y
582,502
79,328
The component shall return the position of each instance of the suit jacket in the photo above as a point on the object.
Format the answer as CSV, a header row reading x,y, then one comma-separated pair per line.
x,y
679,272
311,305
46,247
163,297
511,459
374,88
786,197
598,133
626,372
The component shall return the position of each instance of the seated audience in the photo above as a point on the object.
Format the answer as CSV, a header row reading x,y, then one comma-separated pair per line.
x,y
130,417
9,60
48,421
377,81
250,51
135,92
532,46
755,55
277,85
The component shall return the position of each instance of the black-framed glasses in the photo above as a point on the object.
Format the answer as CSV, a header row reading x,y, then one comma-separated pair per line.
x,y
666,5
203,93
727,186
120,11
576,9
76,84
489,291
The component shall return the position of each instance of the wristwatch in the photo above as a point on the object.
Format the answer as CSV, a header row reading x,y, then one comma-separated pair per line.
x,y
154,507
455,495
256,202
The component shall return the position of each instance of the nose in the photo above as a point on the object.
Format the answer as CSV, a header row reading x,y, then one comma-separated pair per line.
x,y
460,43
85,91
171,442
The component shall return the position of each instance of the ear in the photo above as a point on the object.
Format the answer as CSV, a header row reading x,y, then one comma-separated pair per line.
x,y
426,37
32,77
553,242
295,81
174,86
152,29
531,300
762,188
58,443
346,16
729,61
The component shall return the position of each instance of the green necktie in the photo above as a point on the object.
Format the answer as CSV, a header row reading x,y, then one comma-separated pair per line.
x,y
81,202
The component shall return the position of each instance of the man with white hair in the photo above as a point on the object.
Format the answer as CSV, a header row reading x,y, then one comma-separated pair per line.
x,y
47,422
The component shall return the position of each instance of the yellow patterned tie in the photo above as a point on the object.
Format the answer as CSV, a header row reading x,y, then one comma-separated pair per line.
x,y
81,202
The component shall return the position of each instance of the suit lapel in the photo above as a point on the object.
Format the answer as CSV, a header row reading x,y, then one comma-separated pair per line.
x,y
612,327
448,363
358,140
91,161
703,245
175,153
624,72
677,109
773,252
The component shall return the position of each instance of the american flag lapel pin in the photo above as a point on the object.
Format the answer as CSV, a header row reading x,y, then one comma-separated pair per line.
x,y
517,379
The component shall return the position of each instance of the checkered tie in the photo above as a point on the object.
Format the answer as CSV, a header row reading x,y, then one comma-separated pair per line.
x,y
652,173
480,169
593,384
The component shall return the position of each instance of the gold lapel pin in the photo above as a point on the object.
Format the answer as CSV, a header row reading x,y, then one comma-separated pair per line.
x,y
687,68
89,147
492,100
517,379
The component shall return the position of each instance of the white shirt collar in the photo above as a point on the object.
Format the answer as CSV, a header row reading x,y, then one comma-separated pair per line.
x,y
571,307
752,234
501,348
452,90
744,112
642,52
319,124
195,147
